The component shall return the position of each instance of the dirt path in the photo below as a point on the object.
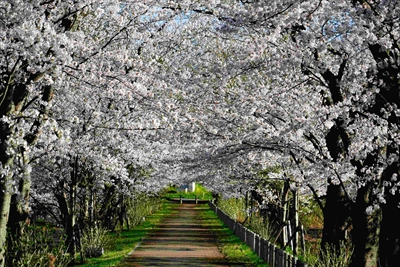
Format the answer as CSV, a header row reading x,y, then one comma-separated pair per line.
x,y
182,239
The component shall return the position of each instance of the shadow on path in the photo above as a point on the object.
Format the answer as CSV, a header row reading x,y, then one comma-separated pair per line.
x,y
182,239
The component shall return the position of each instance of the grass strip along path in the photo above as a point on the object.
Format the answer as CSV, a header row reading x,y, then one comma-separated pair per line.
x,y
122,242
191,235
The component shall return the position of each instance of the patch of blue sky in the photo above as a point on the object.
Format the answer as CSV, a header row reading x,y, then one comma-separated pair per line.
x,y
183,18
338,27
158,20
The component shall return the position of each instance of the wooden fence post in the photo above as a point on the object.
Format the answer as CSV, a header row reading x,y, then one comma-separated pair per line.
x,y
301,264
266,251
257,245
277,257
272,255
296,225
289,235
262,249
293,262
303,243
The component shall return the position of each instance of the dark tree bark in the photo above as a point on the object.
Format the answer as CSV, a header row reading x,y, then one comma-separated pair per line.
x,y
389,239
366,228
336,217
14,96
19,206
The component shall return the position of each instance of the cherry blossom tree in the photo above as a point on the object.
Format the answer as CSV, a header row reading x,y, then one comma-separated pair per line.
x,y
310,86
212,91
34,46
50,49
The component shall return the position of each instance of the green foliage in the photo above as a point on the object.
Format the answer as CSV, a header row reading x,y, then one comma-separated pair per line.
x,y
38,247
94,240
201,192
310,213
141,207
310,216
310,255
265,172
234,207
122,242
265,182
230,245
262,226
139,171
335,257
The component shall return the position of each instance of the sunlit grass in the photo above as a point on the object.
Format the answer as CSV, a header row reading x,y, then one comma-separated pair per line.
x,y
200,191
123,242
235,251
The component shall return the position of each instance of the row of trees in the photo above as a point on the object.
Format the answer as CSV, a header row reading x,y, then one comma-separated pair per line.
x,y
312,87
79,121
214,91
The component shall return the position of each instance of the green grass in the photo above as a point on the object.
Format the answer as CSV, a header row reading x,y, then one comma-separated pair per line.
x,y
124,241
200,191
235,251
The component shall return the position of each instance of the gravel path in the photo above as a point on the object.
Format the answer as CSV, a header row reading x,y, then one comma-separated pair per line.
x,y
182,239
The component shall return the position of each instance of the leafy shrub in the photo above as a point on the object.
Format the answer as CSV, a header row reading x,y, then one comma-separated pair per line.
x,y
94,240
263,227
140,208
234,207
200,192
38,247
335,257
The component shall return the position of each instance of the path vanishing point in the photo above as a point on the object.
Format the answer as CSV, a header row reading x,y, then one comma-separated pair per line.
x,y
181,239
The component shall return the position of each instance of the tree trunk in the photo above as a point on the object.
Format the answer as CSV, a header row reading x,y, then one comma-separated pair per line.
x,y
68,218
5,189
15,208
389,239
8,105
336,217
70,232
66,198
5,201
109,207
71,223
19,210
366,228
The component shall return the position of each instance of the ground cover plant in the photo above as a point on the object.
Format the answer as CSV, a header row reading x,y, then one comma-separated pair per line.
x,y
174,192
123,241
41,245
250,215
230,245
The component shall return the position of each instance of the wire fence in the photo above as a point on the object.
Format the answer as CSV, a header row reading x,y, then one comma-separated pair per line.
x,y
267,251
